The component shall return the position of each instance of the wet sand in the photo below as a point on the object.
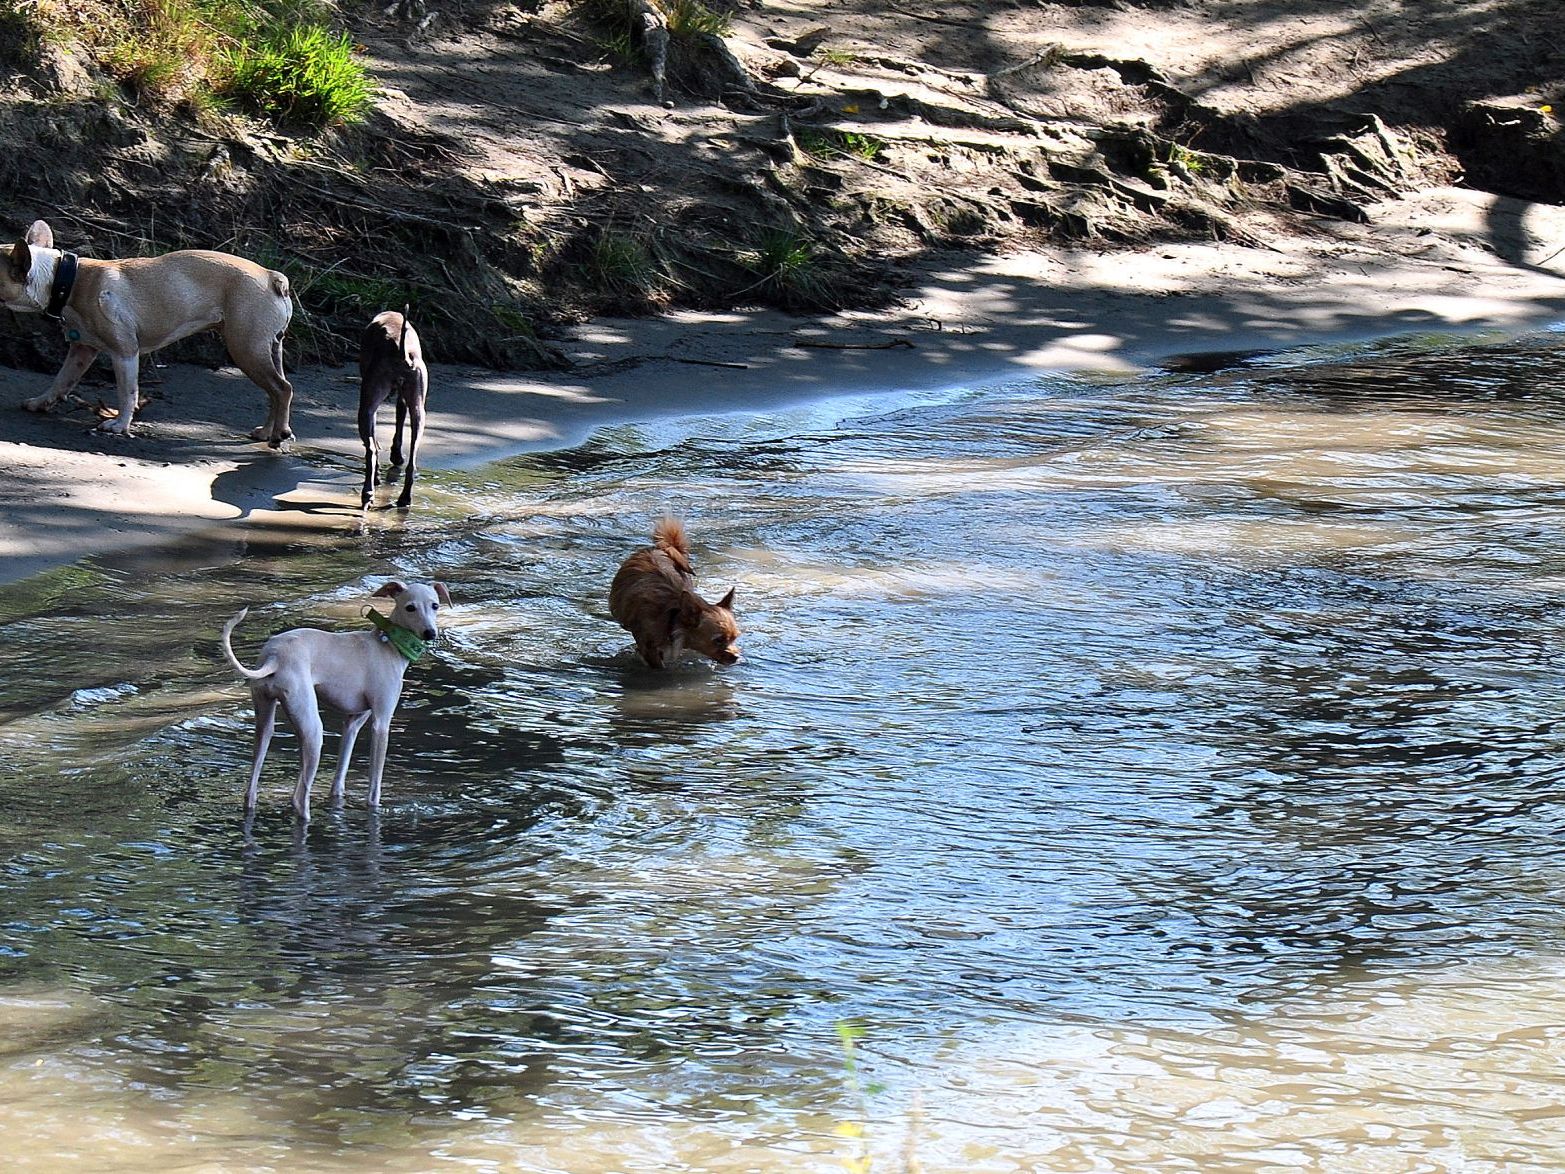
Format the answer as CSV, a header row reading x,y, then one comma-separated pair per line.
x,y
1444,261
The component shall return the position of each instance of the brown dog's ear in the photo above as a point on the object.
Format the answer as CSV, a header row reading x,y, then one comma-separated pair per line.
x,y
40,234
392,588
727,602
445,596
19,262
690,605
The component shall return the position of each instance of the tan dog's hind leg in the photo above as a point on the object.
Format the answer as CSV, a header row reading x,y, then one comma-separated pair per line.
x,y
253,327
77,360
265,370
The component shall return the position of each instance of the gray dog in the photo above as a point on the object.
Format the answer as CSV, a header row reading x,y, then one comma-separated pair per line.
x,y
391,363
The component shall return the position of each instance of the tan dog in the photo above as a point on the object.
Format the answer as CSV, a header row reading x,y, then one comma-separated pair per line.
x,y
654,599
140,304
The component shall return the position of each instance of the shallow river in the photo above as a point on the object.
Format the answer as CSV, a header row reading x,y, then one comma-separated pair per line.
x,y
1123,775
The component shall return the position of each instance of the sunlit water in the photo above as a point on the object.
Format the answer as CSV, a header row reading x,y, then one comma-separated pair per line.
x,y
1159,774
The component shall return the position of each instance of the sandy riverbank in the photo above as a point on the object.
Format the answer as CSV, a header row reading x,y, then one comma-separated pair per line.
x,y
1446,260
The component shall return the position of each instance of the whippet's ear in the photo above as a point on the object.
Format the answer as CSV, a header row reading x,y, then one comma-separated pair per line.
x,y
727,602
445,595
392,588
40,234
19,262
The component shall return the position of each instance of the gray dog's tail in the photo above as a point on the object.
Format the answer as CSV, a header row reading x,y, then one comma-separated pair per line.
x,y
265,670
402,343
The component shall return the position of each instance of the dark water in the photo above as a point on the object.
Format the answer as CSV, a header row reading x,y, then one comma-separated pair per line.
x,y
1154,774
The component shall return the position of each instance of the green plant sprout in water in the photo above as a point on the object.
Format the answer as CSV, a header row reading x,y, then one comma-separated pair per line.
x,y
848,1035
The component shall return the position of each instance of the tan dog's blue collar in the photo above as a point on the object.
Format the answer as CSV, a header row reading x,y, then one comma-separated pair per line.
x,y
64,282
409,645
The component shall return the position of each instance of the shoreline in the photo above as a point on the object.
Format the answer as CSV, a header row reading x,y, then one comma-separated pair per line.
x,y
1448,261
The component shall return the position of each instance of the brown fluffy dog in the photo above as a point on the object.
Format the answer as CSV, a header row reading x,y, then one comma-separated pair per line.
x,y
654,599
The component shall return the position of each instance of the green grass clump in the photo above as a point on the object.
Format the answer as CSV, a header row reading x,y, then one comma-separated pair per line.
x,y
789,269
691,18
624,267
21,32
350,294
300,74
279,58
836,144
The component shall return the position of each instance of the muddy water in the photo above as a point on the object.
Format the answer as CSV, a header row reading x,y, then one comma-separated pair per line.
x,y
1138,775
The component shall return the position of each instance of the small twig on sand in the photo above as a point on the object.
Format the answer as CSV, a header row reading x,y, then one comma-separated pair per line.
x,y
856,346
710,363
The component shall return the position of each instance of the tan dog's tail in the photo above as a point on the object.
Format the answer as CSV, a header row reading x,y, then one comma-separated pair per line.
x,y
265,670
279,283
402,343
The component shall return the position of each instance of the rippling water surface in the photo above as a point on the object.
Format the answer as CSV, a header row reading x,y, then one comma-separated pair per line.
x,y
1158,774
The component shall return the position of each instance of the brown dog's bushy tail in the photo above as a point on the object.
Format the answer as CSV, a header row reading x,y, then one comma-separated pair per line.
x,y
265,670
669,537
402,343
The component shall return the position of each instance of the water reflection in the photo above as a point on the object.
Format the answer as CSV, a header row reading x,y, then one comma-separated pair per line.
x,y
1160,771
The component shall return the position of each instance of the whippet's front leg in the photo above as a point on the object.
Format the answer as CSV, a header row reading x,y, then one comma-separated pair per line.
x,y
350,734
396,436
127,373
380,734
77,360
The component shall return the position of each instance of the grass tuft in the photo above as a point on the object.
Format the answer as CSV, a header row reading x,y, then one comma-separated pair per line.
x,y
789,269
623,266
279,58
691,18
823,143
304,75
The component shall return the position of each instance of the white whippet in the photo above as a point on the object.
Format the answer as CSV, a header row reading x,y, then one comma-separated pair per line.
x,y
359,674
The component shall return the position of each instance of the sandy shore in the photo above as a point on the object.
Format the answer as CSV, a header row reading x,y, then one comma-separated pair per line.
x,y
1447,260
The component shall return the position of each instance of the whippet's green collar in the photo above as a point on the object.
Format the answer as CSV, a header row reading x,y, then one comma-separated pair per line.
x,y
409,645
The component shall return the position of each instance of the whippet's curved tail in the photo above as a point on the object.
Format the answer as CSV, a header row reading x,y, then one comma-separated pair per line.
x,y
267,668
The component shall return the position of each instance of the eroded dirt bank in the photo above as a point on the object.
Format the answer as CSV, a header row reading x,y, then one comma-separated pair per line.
x,y
522,171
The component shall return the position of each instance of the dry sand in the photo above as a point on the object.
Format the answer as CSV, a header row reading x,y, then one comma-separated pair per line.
x,y
1446,260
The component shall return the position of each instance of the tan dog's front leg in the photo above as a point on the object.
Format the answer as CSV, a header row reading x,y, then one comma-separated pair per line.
x,y
127,375
77,360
